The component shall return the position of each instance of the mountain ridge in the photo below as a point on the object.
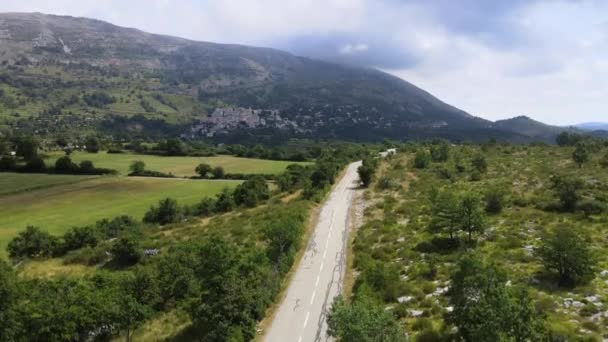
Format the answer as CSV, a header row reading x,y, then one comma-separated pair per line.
x,y
138,71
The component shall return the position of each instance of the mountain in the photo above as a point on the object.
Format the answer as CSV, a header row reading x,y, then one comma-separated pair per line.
x,y
593,126
63,74
529,127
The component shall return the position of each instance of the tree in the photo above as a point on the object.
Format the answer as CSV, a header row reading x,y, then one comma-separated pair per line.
x,y
206,207
580,154
203,170
567,254
470,214
9,324
445,215
251,192
440,152
7,163
486,309
92,144
566,189
35,165
421,159
32,243
86,167
65,165
126,250
79,237
167,212
137,167
366,171
27,147
479,163
218,172
494,198
224,201
604,161
362,321
175,147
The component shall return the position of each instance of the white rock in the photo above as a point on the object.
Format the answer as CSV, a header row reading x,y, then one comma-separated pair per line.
x,y
449,309
405,299
414,313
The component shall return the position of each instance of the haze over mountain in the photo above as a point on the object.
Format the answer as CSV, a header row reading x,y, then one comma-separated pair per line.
x,y
593,126
59,73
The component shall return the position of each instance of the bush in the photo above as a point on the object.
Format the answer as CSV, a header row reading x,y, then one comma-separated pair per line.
x,y
35,165
479,163
126,251
77,238
89,256
591,207
32,243
421,159
166,212
251,192
65,165
566,253
494,199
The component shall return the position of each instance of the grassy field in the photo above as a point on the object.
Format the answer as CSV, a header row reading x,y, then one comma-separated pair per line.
x,y
60,207
397,230
11,183
179,166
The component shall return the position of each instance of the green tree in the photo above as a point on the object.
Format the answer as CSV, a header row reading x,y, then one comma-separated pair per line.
x,y
486,309
251,192
218,172
224,201
167,212
79,237
86,167
580,154
440,152
362,321
479,163
35,164
445,214
65,165
203,170
604,161
494,199
92,144
9,323
470,214
421,159
32,243
366,171
27,147
126,250
566,188
137,167
566,253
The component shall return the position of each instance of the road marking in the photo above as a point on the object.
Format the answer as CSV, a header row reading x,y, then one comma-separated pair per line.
x,y
312,299
317,282
321,269
324,253
306,320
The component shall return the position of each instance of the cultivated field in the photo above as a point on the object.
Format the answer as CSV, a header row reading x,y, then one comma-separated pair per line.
x,y
179,166
61,207
11,183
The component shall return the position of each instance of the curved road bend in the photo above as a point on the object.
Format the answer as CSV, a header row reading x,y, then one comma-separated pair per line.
x,y
301,317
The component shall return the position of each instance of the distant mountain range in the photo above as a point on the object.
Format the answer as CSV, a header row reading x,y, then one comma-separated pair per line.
x,y
63,74
593,126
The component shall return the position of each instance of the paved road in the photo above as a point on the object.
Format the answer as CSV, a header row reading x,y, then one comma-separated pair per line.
x,y
319,276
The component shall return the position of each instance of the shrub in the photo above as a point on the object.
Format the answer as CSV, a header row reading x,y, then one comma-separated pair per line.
x,y
421,159
126,251
166,212
218,172
591,207
32,243
251,192
35,165
479,163
65,165
494,199
565,253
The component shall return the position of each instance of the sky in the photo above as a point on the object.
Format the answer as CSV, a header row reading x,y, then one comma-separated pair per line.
x,y
492,58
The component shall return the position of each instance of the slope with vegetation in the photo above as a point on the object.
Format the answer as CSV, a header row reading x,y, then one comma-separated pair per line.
x,y
482,243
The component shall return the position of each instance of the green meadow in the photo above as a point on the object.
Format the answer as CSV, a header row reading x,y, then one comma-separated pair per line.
x,y
79,202
11,183
179,166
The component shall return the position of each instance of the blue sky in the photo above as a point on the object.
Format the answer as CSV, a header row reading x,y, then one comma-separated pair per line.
x,y
492,58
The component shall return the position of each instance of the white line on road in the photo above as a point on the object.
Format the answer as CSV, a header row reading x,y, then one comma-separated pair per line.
x,y
306,319
312,299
